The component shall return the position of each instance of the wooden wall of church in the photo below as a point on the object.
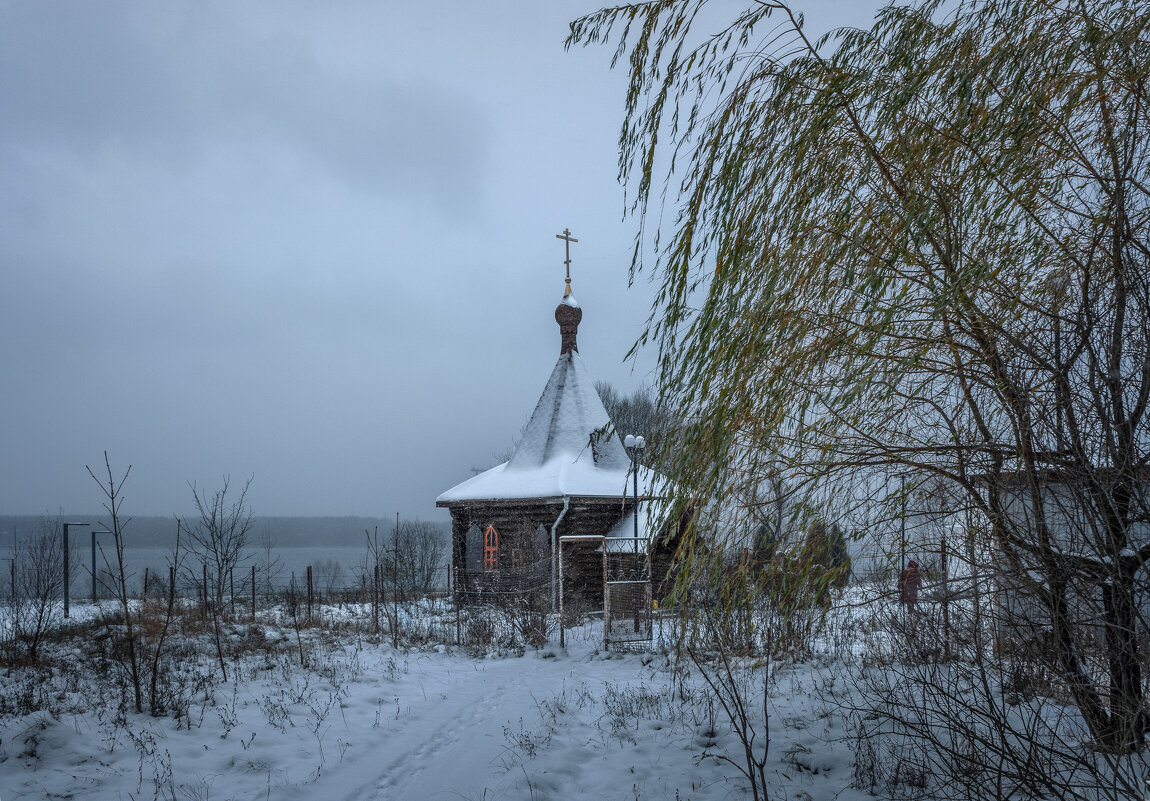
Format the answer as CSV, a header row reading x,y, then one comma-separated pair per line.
x,y
518,526
519,541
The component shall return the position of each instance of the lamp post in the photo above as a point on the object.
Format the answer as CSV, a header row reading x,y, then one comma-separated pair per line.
x,y
68,563
635,446
94,533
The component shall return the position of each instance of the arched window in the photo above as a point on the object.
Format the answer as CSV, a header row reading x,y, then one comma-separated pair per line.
x,y
474,548
541,543
491,549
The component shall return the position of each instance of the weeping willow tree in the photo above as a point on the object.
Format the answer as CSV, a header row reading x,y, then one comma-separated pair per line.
x,y
917,251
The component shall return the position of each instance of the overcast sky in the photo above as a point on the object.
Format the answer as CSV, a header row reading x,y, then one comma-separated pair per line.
x,y
312,242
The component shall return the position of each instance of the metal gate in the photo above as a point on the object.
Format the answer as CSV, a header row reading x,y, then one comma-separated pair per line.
x,y
627,613
626,594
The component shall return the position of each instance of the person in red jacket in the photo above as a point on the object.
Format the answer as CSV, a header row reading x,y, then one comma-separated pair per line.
x,y
908,583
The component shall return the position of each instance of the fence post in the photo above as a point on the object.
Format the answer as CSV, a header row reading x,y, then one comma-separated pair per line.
x,y
395,586
145,583
562,633
253,593
374,597
458,620
309,592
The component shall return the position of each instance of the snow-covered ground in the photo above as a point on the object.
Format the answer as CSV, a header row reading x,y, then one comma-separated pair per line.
x,y
364,721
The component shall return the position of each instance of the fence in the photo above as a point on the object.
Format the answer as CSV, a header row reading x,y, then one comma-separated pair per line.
x,y
244,588
512,605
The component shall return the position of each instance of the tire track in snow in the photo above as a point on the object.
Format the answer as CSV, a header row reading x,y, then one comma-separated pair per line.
x,y
456,736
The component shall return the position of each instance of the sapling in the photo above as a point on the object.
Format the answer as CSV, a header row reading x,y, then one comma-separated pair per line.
x,y
154,701
113,492
37,574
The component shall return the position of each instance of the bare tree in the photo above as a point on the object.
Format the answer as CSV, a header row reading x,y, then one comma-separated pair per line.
x,y
219,538
155,699
423,546
639,413
372,569
114,494
38,573
417,555
328,575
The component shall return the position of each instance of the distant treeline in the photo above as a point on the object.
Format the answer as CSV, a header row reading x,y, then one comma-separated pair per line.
x,y
160,532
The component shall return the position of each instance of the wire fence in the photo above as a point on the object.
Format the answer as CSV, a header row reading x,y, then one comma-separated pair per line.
x,y
241,588
514,604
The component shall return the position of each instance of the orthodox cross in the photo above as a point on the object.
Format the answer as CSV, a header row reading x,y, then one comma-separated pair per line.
x,y
567,240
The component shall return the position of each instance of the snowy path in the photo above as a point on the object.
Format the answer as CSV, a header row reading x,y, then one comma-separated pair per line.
x,y
367,723
455,728
447,742
534,727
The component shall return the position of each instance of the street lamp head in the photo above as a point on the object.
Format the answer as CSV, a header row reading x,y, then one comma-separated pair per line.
x,y
633,442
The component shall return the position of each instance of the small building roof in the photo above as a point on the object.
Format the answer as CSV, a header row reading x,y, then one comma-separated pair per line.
x,y
569,447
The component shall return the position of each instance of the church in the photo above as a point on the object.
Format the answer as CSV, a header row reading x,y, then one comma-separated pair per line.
x,y
561,510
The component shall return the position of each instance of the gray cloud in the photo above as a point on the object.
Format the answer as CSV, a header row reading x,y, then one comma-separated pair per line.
x,y
309,241
181,85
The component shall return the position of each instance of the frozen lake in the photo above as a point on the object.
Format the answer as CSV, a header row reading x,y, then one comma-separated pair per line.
x,y
337,567
342,564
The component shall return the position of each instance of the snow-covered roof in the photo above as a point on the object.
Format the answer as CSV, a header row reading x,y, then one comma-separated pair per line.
x,y
569,448
568,419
